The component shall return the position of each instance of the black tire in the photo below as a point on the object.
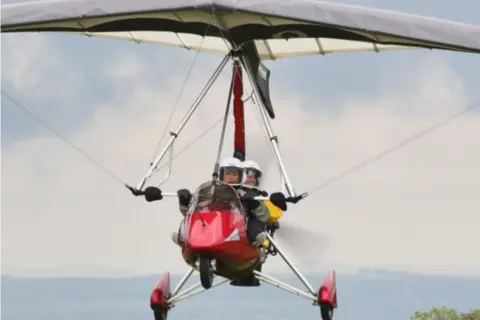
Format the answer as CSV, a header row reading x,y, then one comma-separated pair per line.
x,y
160,314
206,273
326,311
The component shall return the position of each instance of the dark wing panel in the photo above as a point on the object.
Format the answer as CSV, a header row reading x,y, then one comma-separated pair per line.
x,y
313,27
347,22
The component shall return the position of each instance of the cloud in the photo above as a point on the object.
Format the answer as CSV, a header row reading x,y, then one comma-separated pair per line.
x,y
415,208
33,61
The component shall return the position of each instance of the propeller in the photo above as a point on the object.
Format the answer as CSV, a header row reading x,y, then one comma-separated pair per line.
x,y
305,246
302,244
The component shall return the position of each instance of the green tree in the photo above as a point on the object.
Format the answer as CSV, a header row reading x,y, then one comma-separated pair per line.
x,y
472,315
444,313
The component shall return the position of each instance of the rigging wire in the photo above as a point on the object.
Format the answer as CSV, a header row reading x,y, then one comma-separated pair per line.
x,y
58,134
87,156
193,141
172,112
322,186
394,148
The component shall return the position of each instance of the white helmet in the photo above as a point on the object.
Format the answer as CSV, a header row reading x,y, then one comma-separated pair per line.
x,y
231,164
251,167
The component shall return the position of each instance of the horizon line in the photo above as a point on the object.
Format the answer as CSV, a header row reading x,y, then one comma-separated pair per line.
x,y
379,272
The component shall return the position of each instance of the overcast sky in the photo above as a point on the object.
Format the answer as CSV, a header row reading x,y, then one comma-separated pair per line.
x,y
416,209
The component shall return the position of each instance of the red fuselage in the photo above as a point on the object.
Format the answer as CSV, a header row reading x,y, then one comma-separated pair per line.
x,y
220,235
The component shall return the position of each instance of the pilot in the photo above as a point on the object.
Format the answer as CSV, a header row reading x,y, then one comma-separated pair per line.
x,y
230,171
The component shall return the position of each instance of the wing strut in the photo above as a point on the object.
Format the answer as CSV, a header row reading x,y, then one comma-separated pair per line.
x,y
224,127
263,109
193,108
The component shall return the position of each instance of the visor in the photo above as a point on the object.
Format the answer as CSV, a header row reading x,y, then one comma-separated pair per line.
x,y
237,170
253,171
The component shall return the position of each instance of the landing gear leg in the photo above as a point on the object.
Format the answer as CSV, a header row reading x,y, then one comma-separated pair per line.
x,y
290,264
325,298
162,300
183,281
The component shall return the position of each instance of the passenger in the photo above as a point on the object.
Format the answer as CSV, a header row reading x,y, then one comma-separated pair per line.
x,y
253,174
257,212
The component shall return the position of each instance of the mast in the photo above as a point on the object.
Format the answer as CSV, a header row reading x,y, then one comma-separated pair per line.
x,y
238,113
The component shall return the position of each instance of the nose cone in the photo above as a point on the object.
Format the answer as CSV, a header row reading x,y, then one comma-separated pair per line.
x,y
203,235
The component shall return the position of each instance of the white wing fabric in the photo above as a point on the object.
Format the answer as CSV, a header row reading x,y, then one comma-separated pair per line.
x,y
279,28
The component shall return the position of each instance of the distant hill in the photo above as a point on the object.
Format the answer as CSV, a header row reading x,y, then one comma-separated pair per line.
x,y
367,295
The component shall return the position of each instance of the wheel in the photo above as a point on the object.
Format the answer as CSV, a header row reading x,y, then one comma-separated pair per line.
x,y
326,311
160,314
206,273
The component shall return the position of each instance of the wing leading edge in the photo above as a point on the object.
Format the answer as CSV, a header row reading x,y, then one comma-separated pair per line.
x,y
278,28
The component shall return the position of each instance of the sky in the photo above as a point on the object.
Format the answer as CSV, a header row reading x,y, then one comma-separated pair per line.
x,y
415,210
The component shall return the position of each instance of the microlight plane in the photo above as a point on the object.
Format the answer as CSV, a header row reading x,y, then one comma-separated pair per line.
x,y
246,32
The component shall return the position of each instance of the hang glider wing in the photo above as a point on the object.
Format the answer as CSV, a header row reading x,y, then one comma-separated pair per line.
x,y
279,28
